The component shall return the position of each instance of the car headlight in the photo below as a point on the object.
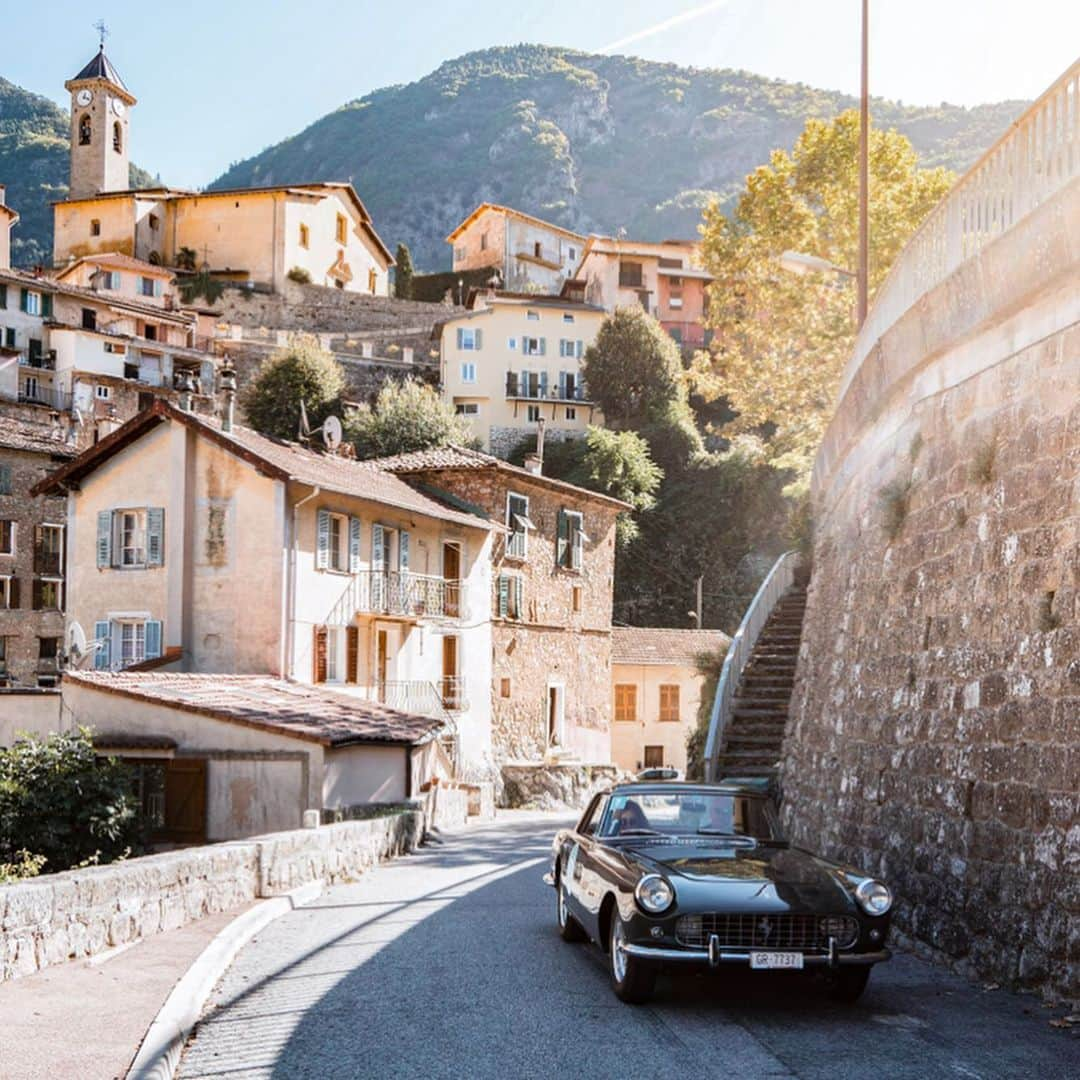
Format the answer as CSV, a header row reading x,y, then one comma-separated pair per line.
x,y
654,894
874,897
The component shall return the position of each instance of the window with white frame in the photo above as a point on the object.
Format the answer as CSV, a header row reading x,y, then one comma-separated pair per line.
x,y
532,316
7,537
532,346
467,408
131,537
131,642
469,338
9,592
102,393
519,524
571,540
572,348
571,414
468,372
335,653
533,414
337,555
33,303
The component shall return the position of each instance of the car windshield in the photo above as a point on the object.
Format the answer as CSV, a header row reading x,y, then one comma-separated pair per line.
x,y
687,813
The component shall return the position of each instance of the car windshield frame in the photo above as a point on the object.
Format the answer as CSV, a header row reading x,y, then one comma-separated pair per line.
x,y
721,829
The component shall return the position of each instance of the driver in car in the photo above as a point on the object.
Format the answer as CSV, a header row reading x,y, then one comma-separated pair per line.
x,y
718,817
631,816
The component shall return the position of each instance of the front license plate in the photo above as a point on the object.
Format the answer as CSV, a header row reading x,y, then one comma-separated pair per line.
x,y
776,961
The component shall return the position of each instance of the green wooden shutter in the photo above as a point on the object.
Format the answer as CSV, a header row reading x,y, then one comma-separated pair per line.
x,y
104,538
519,597
3,295
543,384
155,536
152,640
24,300
504,595
354,546
322,539
46,305
102,635
563,545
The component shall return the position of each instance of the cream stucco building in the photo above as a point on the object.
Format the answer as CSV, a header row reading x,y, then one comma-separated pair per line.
x,y
8,218
251,235
656,687
514,359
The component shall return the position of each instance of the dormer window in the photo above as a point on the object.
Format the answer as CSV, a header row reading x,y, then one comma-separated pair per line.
x,y
117,137
84,130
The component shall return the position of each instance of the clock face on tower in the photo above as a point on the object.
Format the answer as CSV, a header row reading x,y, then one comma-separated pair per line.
x,y
117,106
84,97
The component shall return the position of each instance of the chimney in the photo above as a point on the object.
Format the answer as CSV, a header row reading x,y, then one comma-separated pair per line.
x,y
185,384
535,462
227,381
407,354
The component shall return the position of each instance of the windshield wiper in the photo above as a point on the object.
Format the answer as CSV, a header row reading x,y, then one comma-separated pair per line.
x,y
741,837
639,832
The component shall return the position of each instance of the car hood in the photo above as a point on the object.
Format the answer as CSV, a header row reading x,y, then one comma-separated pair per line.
x,y
764,878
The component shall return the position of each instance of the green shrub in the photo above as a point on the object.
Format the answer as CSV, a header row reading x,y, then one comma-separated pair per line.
x,y
300,275
62,806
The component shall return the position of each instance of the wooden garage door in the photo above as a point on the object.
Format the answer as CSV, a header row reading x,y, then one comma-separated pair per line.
x,y
185,801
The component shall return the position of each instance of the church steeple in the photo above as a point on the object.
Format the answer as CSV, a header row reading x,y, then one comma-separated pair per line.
x,y
99,128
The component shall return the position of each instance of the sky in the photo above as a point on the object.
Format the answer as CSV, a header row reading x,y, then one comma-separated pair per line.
x,y
218,82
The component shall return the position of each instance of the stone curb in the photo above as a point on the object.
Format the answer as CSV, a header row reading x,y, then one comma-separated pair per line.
x,y
159,1055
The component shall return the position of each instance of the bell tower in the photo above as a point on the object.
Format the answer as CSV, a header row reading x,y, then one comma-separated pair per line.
x,y
100,115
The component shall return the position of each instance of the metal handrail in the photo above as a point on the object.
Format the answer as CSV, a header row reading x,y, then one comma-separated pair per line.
x,y
777,582
399,592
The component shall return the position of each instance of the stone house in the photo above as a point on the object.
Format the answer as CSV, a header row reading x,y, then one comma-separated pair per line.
x,y
665,279
200,546
251,235
657,690
513,359
551,597
527,253
32,555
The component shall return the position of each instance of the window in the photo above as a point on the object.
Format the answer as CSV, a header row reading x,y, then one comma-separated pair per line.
x,y
305,236
670,263
511,343
468,372
483,241
538,250
568,318
467,408
9,337
337,559
504,684
337,542
33,303
49,550
131,536
532,316
89,319
675,300
103,393
571,540
48,648
629,274
335,640
7,537
625,702
132,638
150,332
573,254
131,371
654,757
674,280
114,348
575,598
469,339
342,230
572,348
30,388
3,661
517,521
669,703
155,222
372,281
9,592
85,129
533,346
511,596
532,414
571,413
117,137
149,286
95,227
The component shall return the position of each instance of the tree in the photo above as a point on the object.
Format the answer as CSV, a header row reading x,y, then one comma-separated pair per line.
x,y
300,371
406,416
201,283
62,805
403,275
780,341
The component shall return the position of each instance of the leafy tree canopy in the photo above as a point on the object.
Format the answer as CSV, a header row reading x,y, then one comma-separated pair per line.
x,y
300,371
406,416
780,341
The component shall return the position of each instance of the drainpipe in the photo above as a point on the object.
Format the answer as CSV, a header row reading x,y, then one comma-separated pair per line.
x,y
289,651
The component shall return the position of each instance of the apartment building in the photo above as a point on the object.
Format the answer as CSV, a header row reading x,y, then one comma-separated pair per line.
x,y
515,358
527,252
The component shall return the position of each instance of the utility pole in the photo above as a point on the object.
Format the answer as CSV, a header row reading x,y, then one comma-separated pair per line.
x,y
863,273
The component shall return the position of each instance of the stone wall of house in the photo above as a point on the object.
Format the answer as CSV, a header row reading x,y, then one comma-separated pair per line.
x,y
934,736
59,917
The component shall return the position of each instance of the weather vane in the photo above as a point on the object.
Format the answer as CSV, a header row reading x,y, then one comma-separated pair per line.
x,y
103,31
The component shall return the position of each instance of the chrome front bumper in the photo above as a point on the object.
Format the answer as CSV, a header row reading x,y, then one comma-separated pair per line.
x,y
714,957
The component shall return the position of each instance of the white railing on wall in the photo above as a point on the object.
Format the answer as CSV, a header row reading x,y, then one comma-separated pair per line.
x,y
1034,159
777,582
393,592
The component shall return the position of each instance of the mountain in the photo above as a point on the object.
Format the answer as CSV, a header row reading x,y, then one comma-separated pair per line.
x,y
594,143
34,166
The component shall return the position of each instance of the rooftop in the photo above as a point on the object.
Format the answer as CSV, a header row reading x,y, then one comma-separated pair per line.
x,y
122,262
297,710
663,645
36,438
498,209
100,67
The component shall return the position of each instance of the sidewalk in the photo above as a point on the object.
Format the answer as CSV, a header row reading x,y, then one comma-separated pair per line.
x,y
87,1020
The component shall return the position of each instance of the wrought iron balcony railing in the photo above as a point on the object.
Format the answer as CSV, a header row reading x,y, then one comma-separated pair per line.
x,y
397,592
518,386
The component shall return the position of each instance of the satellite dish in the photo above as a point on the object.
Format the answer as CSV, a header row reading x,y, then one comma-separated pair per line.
x,y
77,639
331,432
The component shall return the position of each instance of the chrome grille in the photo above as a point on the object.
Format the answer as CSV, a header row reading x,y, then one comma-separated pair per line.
x,y
806,933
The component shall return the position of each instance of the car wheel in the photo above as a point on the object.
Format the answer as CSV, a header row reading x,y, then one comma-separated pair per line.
x,y
569,928
632,978
847,984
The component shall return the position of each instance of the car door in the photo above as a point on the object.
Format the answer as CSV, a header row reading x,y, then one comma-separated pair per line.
x,y
578,866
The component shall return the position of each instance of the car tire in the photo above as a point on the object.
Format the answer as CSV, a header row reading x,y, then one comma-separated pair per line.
x,y
632,978
569,928
847,984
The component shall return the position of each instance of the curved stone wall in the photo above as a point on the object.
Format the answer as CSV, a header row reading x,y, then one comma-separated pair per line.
x,y
934,735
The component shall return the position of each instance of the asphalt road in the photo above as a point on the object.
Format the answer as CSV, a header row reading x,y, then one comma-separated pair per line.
x,y
447,964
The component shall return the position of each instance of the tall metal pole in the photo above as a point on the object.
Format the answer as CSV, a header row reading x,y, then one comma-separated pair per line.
x,y
863,275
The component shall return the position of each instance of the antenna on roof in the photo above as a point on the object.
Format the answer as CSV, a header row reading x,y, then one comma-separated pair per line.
x,y
331,433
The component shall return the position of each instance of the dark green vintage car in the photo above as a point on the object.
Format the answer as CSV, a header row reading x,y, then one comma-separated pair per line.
x,y
669,875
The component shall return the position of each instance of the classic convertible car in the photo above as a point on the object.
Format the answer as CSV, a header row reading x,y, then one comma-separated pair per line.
x,y
679,875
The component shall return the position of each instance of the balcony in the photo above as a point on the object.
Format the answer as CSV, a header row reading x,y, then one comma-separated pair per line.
x,y
528,387
59,400
423,698
401,594
43,361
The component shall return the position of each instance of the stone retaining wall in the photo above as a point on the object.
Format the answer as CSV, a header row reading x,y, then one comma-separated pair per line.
x,y
554,787
60,917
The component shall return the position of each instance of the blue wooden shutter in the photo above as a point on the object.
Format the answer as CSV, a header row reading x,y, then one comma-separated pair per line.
x,y
562,385
580,348
152,641
504,595
155,536
403,551
102,634
322,539
460,338
104,538
563,539
354,545
543,346
543,384
478,339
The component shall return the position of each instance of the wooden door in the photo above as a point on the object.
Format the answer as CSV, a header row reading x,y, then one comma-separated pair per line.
x,y
452,580
382,656
185,801
450,671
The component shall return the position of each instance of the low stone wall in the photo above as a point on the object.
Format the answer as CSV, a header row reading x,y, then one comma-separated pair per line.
x,y
553,787
79,913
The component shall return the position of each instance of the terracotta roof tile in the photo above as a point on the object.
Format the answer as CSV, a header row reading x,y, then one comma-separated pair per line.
x,y
661,645
297,710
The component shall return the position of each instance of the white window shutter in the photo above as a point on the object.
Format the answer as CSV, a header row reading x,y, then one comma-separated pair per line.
x,y
519,597
354,545
378,548
403,551
104,538
152,640
322,540
155,536
102,632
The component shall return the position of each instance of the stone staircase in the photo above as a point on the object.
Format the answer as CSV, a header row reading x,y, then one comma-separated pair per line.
x,y
755,735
